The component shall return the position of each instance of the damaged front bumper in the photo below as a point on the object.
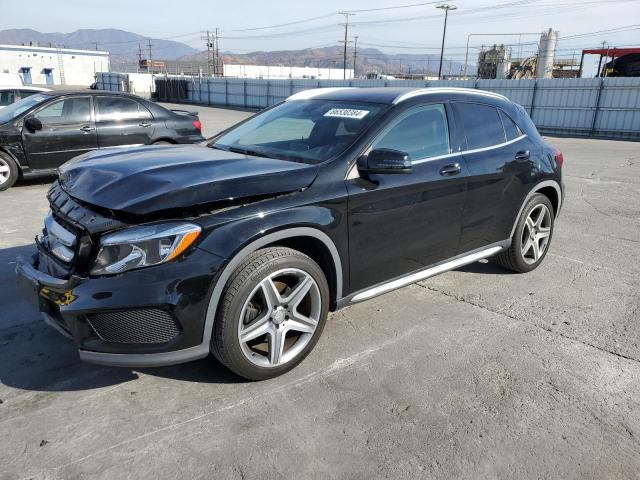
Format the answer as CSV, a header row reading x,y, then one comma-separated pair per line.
x,y
142,318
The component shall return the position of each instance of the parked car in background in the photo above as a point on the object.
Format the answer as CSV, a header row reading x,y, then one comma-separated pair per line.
x,y
9,95
41,132
156,256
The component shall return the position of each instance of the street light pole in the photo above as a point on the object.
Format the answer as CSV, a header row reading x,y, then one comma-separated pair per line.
x,y
446,7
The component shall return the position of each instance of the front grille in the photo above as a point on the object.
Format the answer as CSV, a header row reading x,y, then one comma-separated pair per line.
x,y
148,325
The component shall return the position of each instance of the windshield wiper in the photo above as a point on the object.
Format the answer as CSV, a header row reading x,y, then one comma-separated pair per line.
x,y
248,151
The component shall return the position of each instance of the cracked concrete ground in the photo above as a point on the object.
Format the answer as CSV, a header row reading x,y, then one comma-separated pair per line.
x,y
477,373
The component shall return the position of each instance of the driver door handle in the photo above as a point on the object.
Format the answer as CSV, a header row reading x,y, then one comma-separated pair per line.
x,y
523,155
145,124
86,129
450,170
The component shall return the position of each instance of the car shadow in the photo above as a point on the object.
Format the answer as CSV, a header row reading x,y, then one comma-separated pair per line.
x,y
485,267
35,180
35,357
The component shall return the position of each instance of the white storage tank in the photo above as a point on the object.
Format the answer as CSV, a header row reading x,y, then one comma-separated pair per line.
x,y
546,54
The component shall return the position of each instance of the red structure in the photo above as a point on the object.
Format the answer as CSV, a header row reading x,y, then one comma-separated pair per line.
x,y
605,53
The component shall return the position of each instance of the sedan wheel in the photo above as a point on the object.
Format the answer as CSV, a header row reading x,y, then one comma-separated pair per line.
x,y
8,172
271,314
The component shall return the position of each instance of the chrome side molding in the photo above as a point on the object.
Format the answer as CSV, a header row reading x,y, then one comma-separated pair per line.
x,y
424,274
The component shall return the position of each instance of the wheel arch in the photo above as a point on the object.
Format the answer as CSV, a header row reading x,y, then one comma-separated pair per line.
x,y
309,240
164,139
549,188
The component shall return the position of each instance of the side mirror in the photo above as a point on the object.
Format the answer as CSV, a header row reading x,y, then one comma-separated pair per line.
x,y
383,161
33,124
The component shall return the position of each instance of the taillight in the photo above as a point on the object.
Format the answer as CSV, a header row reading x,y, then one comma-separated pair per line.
x,y
559,158
198,125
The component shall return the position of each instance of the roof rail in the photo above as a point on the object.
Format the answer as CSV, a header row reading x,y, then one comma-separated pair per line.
x,y
435,90
314,92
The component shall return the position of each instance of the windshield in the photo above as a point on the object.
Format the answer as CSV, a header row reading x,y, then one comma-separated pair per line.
x,y
310,131
12,111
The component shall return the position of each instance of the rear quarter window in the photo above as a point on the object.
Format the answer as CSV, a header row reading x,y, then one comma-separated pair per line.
x,y
510,128
482,125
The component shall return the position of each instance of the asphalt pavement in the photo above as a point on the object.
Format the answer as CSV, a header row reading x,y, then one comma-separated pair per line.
x,y
478,373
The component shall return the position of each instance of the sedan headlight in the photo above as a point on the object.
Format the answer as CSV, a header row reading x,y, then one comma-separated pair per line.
x,y
145,246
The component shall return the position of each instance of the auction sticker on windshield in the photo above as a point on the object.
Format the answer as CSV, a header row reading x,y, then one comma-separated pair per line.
x,y
346,113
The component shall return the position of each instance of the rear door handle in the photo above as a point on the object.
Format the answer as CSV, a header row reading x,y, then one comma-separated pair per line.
x,y
86,129
523,155
450,170
145,124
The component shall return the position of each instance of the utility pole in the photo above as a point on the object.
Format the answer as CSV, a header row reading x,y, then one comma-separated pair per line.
x,y
346,33
139,57
207,38
355,54
446,7
149,66
217,65
96,46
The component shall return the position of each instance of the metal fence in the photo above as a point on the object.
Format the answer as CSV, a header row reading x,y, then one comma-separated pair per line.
x,y
599,107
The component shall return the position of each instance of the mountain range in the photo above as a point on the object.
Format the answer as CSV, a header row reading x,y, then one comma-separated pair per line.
x,y
124,45
121,44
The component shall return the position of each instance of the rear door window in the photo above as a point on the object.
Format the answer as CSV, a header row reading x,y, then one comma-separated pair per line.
x,y
422,133
510,128
482,125
116,109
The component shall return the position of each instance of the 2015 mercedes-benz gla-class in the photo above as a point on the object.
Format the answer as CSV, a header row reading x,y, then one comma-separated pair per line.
x,y
159,255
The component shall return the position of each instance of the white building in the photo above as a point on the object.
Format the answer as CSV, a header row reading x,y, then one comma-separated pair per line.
x,y
284,72
53,66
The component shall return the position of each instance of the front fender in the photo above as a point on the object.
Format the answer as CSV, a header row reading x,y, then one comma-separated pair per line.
x,y
325,223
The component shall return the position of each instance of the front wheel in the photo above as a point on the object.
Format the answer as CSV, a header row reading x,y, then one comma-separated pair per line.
x,y
8,171
272,313
531,238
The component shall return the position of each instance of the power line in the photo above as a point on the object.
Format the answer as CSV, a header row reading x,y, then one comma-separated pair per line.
x,y
394,8
296,22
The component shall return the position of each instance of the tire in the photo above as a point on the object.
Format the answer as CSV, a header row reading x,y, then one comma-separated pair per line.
x,y
8,171
277,297
162,142
522,256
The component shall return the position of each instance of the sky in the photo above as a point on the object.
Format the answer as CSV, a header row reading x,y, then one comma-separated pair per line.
x,y
394,26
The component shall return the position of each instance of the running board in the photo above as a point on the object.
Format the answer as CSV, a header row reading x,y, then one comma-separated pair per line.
x,y
424,274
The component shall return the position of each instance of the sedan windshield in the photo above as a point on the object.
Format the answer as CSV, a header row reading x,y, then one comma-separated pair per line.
x,y
306,131
12,111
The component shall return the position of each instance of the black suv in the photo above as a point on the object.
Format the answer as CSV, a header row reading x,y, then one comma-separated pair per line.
x,y
154,256
41,132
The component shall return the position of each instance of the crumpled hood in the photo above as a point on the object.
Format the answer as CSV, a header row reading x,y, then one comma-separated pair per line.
x,y
149,179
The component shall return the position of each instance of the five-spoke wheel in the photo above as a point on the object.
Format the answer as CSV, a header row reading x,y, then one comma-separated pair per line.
x,y
271,314
279,317
532,236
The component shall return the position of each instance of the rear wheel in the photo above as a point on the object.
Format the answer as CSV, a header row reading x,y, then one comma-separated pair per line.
x,y
8,171
162,142
271,314
531,238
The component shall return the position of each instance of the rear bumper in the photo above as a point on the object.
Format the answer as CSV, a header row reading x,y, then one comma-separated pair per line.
x,y
180,290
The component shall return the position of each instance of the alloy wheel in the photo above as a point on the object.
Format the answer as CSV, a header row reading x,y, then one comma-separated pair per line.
x,y
536,234
279,318
5,171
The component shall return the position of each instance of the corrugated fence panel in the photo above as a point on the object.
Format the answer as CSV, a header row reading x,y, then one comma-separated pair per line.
x,y
580,106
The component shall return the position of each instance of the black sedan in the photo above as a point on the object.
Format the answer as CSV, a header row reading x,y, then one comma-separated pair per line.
x,y
43,131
